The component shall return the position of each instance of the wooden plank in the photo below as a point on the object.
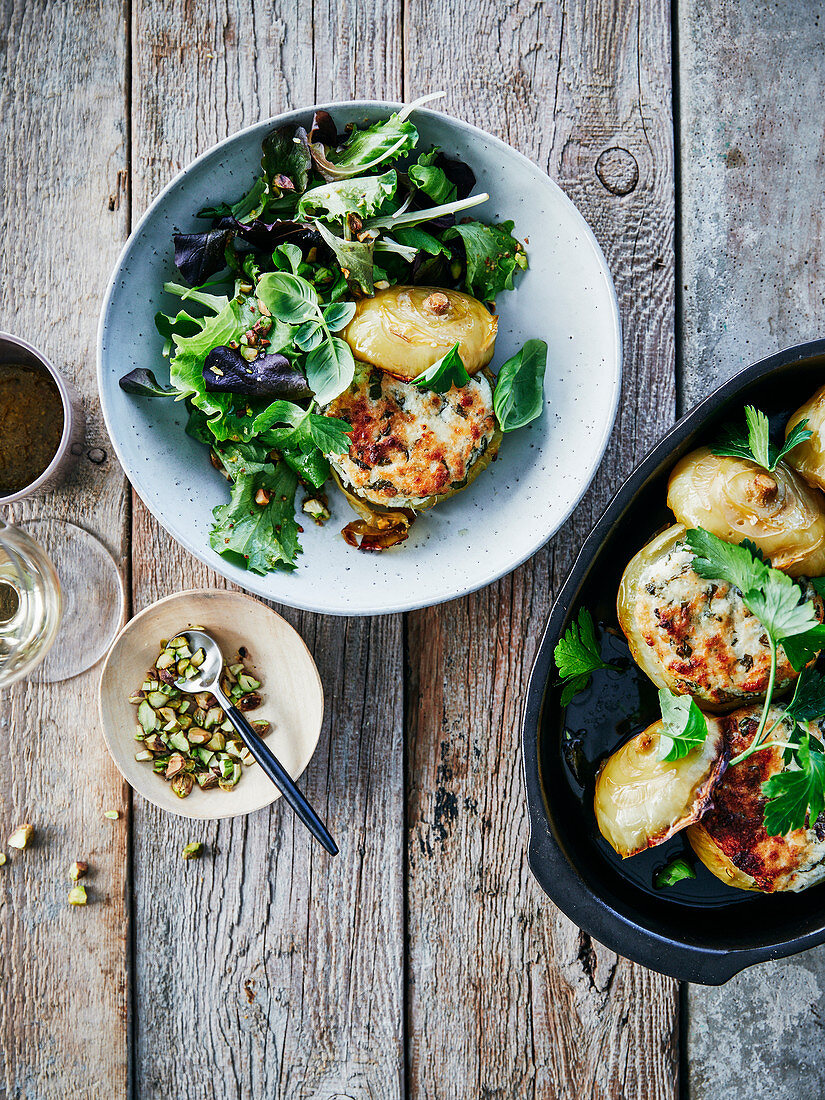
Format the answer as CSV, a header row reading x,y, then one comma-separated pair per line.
x,y
506,997
752,160
267,959
63,218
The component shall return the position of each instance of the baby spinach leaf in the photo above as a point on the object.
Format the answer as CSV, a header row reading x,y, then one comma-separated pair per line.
x,y
431,179
493,256
330,368
446,372
363,195
285,160
143,383
519,394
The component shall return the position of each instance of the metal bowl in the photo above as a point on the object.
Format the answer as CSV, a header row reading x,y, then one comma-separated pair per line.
x,y
700,932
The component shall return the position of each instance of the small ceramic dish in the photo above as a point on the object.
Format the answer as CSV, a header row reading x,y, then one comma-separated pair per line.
x,y
293,699
13,349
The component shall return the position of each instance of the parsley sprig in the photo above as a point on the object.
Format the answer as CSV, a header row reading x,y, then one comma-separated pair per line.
x,y
756,444
795,796
577,656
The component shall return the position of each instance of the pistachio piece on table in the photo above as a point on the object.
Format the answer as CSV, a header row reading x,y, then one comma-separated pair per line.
x,y
2,858
78,869
77,894
21,836
193,850
112,815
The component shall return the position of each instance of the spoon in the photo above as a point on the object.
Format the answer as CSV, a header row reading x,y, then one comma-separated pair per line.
x,y
208,679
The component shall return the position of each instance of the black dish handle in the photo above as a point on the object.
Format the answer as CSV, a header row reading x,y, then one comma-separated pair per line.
x,y
281,778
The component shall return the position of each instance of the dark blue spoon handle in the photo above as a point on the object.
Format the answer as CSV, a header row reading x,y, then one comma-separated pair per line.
x,y
281,778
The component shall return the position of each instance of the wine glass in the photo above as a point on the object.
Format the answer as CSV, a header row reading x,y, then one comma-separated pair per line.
x,y
61,601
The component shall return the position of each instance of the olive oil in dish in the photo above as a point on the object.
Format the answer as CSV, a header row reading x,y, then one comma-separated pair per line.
x,y
31,425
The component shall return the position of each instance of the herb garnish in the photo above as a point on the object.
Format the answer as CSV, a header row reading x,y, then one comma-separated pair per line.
x,y
519,394
685,725
673,872
446,372
577,656
756,445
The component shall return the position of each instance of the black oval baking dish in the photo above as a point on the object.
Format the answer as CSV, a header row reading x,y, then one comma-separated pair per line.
x,y
700,930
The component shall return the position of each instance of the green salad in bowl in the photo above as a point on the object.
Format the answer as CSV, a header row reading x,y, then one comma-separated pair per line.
x,y
336,323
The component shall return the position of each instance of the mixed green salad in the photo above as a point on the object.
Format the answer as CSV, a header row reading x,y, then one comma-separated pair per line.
x,y
268,287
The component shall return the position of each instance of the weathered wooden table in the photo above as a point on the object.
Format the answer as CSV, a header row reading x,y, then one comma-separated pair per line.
x,y
423,961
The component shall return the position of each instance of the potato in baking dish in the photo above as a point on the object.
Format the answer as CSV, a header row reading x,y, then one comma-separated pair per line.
x,y
731,839
695,636
412,447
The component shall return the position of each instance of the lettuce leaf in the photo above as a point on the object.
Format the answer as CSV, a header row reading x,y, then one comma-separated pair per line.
x,y
493,256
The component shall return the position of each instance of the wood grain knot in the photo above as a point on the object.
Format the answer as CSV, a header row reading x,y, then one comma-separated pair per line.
x,y
96,455
618,170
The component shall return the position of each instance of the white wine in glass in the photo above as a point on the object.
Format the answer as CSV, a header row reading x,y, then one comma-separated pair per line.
x,y
30,604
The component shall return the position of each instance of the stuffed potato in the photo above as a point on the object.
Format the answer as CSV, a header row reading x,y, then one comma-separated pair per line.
x,y
641,801
735,499
808,458
405,329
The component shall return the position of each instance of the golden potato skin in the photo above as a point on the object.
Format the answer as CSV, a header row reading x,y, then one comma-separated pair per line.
x,y
731,839
405,329
736,499
808,458
691,635
641,801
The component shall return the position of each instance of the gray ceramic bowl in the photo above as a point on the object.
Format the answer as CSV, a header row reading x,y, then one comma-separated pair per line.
x,y
566,298
13,349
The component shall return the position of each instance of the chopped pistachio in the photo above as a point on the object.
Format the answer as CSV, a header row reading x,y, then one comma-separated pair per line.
x,y
176,643
177,762
184,721
250,701
235,669
112,815
78,869
213,716
77,894
261,726
137,697
193,850
217,742
206,780
166,659
147,716
247,682
21,836
198,657
156,699
2,858
198,736
144,754
182,784
316,510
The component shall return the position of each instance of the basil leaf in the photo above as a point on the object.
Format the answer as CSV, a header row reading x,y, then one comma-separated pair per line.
x,y
288,297
143,383
288,257
308,335
685,725
676,871
519,394
338,315
330,369
446,372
